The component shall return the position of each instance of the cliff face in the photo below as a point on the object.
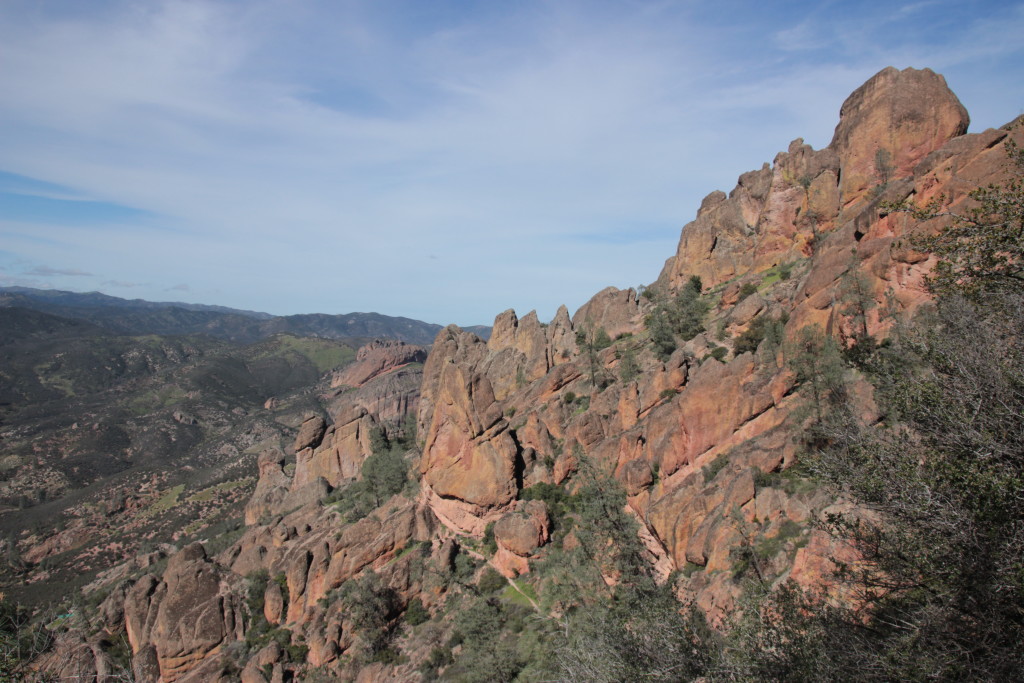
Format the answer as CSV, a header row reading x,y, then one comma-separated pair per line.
x,y
887,127
689,435
702,440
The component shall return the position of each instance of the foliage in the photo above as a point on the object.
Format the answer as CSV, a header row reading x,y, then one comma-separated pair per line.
x,y
746,290
416,613
591,342
718,353
641,635
629,369
22,640
607,534
711,470
372,606
259,632
942,573
982,249
817,361
939,587
760,329
680,316
491,581
487,653
490,545
559,504
385,474
856,298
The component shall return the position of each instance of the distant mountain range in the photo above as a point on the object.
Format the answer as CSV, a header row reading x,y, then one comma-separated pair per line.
x,y
137,317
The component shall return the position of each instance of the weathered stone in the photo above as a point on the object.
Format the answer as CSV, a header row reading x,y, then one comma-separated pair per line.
x,y
379,357
890,124
310,433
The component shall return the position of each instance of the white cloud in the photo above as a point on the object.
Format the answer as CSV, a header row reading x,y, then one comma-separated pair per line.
x,y
308,155
47,271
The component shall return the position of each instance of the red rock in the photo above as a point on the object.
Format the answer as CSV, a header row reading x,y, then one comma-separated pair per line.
x,y
379,357
896,119
310,433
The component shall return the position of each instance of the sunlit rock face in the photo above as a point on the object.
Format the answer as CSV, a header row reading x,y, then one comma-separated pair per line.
x,y
700,442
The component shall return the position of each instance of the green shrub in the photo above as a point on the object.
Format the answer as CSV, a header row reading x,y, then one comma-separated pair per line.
x,y
747,289
629,369
372,607
491,581
416,613
712,469
680,317
764,480
385,473
760,329
490,545
690,568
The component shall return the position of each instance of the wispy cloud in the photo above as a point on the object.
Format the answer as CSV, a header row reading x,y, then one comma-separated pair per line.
x,y
120,284
308,155
47,271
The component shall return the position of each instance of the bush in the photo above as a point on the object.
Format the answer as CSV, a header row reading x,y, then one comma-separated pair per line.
x,y
712,469
557,499
372,607
747,289
679,317
760,329
385,473
416,613
629,369
490,545
491,581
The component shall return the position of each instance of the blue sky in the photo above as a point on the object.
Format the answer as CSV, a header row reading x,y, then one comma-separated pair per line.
x,y
437,160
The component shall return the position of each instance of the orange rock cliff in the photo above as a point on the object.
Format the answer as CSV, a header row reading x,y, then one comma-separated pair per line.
x,y
701,441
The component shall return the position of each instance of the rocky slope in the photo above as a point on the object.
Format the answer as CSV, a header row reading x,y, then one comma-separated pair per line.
x,y
703,438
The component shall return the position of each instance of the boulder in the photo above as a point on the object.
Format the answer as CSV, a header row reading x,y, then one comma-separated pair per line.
x,y
890,124
311,432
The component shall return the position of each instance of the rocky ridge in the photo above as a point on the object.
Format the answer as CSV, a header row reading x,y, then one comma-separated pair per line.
x,y
702,439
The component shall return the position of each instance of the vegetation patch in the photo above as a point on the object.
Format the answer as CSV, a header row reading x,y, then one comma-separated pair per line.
x,y
712,469
165,502
211,492
520,593
324,354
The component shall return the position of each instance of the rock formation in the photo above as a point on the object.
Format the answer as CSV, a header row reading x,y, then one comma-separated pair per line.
x,y
701,440
375,359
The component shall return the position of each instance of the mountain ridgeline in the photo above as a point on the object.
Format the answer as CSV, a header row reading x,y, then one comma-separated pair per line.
x,y
726,475
137,317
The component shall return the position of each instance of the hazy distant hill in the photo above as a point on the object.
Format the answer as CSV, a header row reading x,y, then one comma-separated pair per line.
x,y
135,316
59,297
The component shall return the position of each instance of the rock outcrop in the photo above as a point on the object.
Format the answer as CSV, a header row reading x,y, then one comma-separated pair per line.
x,y
777,214
890,124
183,618
377,358
702,439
